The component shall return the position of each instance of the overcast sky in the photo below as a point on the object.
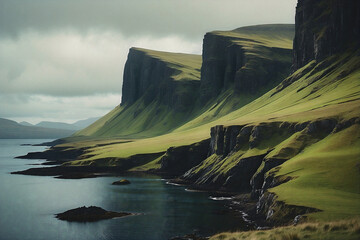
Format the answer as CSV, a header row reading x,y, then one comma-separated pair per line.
x,y
63,60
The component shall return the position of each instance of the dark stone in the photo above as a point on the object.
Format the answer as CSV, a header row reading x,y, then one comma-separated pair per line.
x,y
240,176
89,214
230,134
324,28
217,140
121,182
243,137
258,180
177,160
226,65
150,79
345,124
323,126
223,139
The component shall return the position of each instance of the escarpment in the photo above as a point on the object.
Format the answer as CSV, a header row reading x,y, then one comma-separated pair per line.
x,y
240,157
243,61
171,79
246,159
324,28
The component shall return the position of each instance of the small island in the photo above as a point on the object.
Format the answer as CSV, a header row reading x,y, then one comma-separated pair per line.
x,y
89,214
121,182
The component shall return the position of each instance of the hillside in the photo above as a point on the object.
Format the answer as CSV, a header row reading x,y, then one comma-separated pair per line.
x,y
162,91
277,123
159,89
10,129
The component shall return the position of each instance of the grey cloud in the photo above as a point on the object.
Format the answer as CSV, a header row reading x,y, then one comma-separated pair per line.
x,y
190,18
67,63
63,59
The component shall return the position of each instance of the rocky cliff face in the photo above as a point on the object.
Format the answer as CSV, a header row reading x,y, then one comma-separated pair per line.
x,y
234,60
240,157
177,160
150,78
324,28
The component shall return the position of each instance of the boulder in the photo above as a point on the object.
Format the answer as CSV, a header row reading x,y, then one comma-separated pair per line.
x,y
121,182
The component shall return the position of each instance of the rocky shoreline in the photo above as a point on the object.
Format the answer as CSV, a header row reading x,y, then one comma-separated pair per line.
x,y
252,211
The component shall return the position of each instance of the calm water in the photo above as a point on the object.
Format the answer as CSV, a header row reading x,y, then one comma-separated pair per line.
x,y
28,205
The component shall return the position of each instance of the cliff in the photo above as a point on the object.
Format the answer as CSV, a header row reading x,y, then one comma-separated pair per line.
x,y
158,95
170,78
246,59
324,28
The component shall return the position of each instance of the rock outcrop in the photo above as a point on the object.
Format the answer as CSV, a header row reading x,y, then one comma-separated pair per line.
x,y
177,160
240,157
121,182
89,214
229,62
324,28
149,76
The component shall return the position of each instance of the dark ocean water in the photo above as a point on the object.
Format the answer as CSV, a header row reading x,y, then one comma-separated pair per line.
x,y
28,205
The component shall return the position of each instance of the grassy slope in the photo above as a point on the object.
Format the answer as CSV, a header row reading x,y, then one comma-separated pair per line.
x,y
332,183
344,230
326,97
329,89
256,40
335,94
138,120
188,65
273,36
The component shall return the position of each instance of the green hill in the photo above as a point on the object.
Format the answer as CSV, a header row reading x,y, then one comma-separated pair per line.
x,y
281,123
10,129
168,91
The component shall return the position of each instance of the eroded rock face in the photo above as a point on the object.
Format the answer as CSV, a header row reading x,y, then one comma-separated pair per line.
x,y
150,79
233,165
223,139
177,160
323,28
227,65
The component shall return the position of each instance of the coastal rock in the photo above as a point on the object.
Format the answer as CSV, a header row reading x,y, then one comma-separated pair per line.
x,y
89,214
121,182
324,28
177,160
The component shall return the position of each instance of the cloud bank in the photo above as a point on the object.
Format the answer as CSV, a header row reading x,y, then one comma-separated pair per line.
x,y
63,60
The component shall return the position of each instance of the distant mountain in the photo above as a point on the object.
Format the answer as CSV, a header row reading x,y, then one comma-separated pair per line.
x,y
58,125
85,123
78,125
11,129
26,123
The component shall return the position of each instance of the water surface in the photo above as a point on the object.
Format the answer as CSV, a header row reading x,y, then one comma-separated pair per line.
x,y
28,204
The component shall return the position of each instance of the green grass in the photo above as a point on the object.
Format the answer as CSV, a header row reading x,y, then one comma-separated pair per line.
x,y
187,65
331,230
139,121
153,165
326,176
334,97
324,167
